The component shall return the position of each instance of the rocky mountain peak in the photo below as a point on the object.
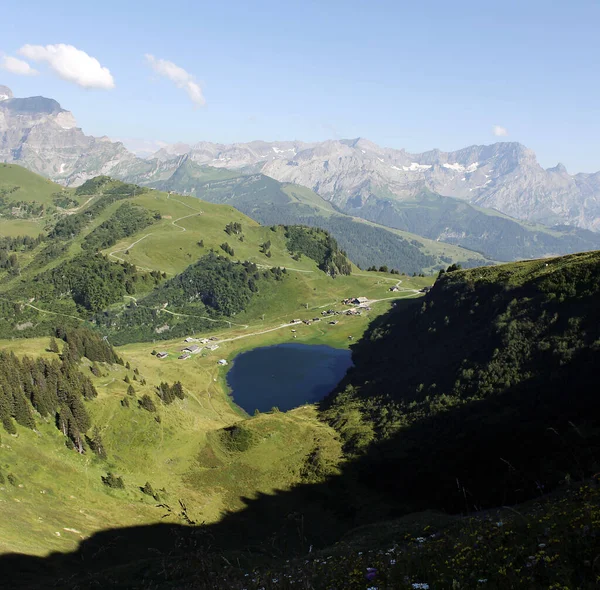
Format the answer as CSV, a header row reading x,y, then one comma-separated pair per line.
x,y
5,93
559,169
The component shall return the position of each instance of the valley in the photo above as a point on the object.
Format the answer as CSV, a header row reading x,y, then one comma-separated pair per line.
x,y
299,296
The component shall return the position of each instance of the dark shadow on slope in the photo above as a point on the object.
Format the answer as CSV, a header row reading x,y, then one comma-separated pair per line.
x,y
498,451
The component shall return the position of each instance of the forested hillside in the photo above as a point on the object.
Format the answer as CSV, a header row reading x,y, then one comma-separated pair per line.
x,y
488,384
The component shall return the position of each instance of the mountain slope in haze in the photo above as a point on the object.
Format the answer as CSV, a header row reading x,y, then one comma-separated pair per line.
x,y
441,219
270,203
502,176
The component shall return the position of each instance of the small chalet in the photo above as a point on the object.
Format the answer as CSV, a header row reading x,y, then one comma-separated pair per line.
x,y
222,362
192,349
184,356
161,355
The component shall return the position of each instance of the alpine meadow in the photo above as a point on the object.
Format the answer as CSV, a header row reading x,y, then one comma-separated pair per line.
x,y
311,361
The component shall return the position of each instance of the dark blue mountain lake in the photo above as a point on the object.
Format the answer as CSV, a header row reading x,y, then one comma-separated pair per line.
x,y
286,375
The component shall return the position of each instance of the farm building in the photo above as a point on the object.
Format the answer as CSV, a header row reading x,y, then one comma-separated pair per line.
x,y
193,349
222,362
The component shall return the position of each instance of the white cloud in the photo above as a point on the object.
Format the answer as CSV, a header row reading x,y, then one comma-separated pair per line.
x,y
71,64
499,131
179,77
16,66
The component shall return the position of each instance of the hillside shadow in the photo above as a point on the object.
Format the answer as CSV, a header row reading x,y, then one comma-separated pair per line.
x,y
498,451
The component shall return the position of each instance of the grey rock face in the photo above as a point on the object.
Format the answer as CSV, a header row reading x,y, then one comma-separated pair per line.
x,y
5,92
38,134
502,176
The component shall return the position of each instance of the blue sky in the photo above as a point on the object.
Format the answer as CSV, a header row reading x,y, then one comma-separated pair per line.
x,y
418,75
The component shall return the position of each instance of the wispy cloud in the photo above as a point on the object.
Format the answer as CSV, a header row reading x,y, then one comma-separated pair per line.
x,y
179,77
71,64
17,66
499,131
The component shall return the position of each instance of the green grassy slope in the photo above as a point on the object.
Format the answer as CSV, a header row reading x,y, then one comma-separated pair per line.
x,y
31,186
18,185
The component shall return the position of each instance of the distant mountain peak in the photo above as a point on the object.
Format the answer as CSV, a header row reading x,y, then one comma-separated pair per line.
x,y
5,93
560,168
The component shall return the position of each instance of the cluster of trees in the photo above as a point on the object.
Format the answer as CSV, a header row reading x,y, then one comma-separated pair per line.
x,y
51,389
214,287
320,246
233,228
112,190
222,286
265,248
497,388
64,201
91,282
20,243
168,393
50,252
18,208
9,246
124,222
384,268
227,248
9,261
83,342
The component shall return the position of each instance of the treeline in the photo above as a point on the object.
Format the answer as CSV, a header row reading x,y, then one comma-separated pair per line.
x,y
124,222
20,243
488,381
318,245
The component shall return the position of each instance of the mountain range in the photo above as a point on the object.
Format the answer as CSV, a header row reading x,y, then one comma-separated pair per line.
x,y
495,200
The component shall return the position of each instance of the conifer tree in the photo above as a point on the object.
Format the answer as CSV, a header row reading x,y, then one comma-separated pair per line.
x,y
21,410
178,390
147,403
53,347
130,390
96,444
